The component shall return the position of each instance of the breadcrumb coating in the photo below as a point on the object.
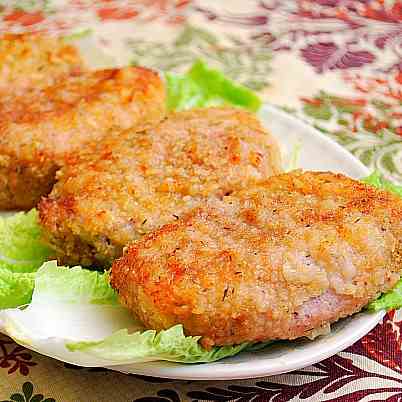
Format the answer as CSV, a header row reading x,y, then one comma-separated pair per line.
x,y
127,187
34,60
42,129
278,260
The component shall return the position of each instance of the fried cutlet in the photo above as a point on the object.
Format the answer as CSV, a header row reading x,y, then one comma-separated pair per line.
x,y
33,60
127,187
44,128
278,260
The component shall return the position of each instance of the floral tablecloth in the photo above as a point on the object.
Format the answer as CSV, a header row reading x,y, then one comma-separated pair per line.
x,y
336,64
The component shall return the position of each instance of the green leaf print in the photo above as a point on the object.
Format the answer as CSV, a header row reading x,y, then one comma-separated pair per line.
x,y
27,395
28,5
367,128
247,63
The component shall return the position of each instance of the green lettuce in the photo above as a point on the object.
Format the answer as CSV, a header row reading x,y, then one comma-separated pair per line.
x,y
170,345
392,299
21,247
74,310
15,288
21,254
73,285
202,87
376,180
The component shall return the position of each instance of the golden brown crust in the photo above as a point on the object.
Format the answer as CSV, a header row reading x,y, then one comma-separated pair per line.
x,y
34,60
44,128
127,187
274,261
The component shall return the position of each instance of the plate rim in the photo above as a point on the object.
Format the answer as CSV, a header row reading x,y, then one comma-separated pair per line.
x,y
257,370
315,133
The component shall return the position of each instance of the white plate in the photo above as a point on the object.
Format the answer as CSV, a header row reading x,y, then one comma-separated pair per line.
x,y
317,153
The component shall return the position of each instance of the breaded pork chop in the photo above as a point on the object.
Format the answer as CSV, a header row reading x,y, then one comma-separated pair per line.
x,y
133,185
42,129
274,261
32,60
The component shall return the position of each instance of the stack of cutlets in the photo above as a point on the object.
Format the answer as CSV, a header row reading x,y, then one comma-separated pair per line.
x,y
123,188
51,107
218,239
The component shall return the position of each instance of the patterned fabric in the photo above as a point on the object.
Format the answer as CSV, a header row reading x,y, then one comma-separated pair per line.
x,y
336,64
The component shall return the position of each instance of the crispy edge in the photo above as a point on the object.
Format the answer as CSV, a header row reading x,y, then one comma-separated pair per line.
x,y
149,313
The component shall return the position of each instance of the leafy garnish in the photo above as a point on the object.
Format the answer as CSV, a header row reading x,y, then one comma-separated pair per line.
x,y
203,87
392,299
21,246
76,310
22,252
376,180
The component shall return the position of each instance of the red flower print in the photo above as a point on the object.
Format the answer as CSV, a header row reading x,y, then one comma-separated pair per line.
x,y
114,13
328,56
24,18
383,343
14,357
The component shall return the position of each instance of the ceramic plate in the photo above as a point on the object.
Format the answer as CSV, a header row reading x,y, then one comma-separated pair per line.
x,y
317,152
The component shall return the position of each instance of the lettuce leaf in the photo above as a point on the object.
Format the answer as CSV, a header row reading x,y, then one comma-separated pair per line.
x,y
75,316
15,288
72,285
170,345
392,299
202,87
21,254
21,247
376,180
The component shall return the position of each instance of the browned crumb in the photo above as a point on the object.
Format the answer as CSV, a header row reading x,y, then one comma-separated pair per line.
x,y
42,129
130,186
274,261
34,60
